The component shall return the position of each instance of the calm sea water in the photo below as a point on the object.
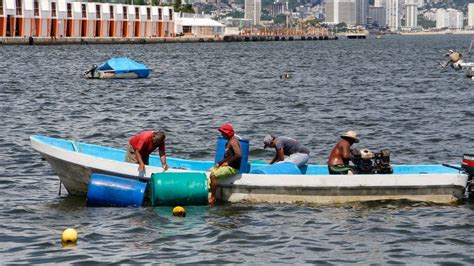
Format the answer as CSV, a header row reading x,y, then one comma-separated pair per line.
x,y
391,90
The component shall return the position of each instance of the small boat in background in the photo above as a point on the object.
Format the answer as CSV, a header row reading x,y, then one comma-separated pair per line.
x,y
357,33
118,68
457,61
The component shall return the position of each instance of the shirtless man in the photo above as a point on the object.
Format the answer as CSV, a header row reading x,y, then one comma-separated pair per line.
x,y
338,162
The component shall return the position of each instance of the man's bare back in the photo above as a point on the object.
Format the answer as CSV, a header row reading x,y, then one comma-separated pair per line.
x,y
340,154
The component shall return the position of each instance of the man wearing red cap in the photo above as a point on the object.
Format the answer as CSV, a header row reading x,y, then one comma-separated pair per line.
x,y
142,145
230,164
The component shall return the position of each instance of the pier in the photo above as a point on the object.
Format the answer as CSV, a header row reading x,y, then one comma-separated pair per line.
x,y
106,40
149,40
260,38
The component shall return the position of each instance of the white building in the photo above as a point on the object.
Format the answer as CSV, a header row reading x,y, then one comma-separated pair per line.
x,y
338,11
379,3
449,18
329,6
377,14
347,12
393,15
278,8
442,18
430,15
456,19
198,25
362,11
420,3
411,14
69,18
253,10
470,15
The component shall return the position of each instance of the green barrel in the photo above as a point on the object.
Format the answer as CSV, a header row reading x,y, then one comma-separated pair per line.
x,y
175,188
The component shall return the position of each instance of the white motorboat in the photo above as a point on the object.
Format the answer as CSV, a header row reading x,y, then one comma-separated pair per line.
x,y
75,162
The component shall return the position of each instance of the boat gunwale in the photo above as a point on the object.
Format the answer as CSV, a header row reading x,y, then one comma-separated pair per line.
x,y
97,162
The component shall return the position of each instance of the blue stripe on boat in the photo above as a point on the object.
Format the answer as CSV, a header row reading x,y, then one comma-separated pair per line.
x,y
119,155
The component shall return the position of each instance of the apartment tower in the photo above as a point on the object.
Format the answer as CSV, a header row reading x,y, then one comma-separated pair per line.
x,y
252,10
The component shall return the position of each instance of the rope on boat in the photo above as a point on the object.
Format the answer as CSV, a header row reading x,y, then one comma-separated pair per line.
x,y
74,147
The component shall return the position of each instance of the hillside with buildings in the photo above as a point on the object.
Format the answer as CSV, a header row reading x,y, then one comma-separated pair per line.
x,y
374,15
214,18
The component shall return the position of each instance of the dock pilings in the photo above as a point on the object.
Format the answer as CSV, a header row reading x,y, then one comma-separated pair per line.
x,y
115,40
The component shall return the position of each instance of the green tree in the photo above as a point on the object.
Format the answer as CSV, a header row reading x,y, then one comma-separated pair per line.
x,y
313,22
266,3
188,9
138,2
341,27
236,14
265,17
425,23
292,4
280,19
177,5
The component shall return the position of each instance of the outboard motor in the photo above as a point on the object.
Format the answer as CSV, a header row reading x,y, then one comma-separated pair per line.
x,y
468,167
90,73
362,160
367,162
382,162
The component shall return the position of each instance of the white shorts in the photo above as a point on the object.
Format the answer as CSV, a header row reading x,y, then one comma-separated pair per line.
x,y
297,158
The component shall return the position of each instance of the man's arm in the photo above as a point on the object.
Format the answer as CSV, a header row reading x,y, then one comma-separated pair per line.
x,y
163,157
346,153
141,164
279,156
237,153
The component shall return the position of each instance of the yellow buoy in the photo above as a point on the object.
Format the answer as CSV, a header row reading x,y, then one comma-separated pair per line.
x,y
69,236
179,211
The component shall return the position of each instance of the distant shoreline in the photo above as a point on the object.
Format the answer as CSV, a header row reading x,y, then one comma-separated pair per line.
x,y
106,40
465,32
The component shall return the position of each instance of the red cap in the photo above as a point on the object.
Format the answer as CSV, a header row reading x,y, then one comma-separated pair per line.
x,y
227,129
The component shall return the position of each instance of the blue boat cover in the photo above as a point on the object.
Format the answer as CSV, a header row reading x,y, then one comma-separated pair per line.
x,y
124,65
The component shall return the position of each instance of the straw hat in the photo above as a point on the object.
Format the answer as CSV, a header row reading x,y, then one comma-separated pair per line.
x,y
351,135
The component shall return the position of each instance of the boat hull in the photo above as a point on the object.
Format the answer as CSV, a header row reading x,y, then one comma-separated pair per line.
x,y
74,169
470,73
444,194
325,189
110,74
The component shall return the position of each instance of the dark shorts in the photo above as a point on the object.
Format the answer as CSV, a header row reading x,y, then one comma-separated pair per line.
x,y
339,169
131,157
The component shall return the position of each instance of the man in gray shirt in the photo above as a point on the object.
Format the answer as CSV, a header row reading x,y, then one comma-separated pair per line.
x,y
285,146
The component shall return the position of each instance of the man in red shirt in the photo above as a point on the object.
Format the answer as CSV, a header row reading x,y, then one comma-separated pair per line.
x,y
142,145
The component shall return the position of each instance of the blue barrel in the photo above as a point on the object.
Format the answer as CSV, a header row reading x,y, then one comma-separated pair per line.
x,y
179,188
277,169
244,146
106,190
